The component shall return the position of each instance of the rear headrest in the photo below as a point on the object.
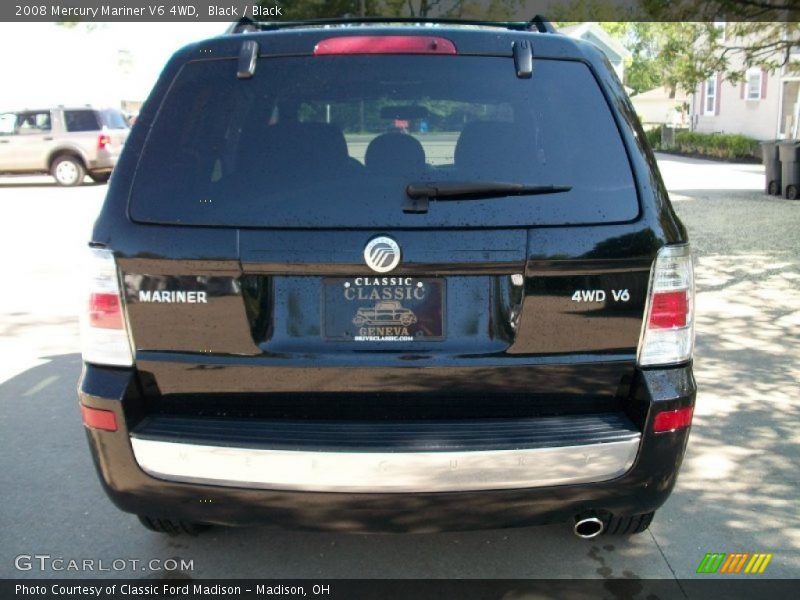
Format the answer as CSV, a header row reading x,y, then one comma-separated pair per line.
x,y
395,152
290,148
494,149
325,141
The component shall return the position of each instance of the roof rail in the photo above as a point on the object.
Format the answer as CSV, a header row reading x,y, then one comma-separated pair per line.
x,y
246,24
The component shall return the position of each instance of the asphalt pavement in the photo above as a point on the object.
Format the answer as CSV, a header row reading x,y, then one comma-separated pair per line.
x,y
738,490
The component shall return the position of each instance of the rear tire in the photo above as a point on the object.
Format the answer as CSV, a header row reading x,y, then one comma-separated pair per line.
x,y
171,526
68,171
100,177
791,192
627,525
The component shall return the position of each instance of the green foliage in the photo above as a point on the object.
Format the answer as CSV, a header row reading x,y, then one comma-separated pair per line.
x,y
647,66
718,145
644,71
681,43
733,36
654,137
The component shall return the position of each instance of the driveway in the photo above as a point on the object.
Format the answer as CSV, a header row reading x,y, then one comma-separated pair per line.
x,y
738,491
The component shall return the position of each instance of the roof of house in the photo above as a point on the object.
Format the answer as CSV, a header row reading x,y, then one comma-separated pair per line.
x,y
592,32
661,93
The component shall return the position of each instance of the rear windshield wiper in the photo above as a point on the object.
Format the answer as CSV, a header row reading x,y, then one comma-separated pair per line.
x,y
420,194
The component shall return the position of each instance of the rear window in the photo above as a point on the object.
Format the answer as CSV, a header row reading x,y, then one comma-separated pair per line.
x,y
113,119
81,120
333,142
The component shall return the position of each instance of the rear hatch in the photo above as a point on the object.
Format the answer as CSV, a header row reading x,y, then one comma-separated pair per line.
x,y
521,274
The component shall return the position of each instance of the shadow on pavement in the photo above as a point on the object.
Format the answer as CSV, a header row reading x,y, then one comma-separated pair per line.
x,y
738,487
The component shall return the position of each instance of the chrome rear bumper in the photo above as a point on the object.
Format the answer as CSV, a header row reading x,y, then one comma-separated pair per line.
x,y
384,472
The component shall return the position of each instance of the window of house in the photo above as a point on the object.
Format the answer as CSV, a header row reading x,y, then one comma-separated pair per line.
x,y
720,26
753,84
711,95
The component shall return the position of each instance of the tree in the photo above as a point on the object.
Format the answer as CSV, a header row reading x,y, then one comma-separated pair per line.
x,y
725,37
323,9
644,71
679,43
465,9
676,43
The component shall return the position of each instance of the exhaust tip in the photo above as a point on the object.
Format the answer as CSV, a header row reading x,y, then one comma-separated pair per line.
x,y
588,527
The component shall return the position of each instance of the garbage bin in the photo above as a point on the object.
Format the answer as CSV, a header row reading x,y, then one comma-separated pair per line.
x,y
789,153
772,167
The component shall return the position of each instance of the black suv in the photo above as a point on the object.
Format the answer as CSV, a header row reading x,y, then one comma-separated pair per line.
x,y
399,276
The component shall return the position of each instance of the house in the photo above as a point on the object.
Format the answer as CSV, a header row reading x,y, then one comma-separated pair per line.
x,y
660,106
592,32
763,106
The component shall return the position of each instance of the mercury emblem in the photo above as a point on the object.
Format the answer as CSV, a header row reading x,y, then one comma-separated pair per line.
x,y
382,254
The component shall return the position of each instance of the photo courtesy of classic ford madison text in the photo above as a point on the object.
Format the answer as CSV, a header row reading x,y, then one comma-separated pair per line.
x,y
307,312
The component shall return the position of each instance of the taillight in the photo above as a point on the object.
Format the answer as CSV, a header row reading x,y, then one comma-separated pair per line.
x,y
104,333
384,44
668,333
103,140
105,311
668,310
671,420
98,419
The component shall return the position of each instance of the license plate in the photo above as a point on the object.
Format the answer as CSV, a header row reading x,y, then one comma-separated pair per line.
x,y
383,309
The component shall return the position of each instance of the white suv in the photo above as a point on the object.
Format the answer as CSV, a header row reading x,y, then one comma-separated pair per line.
x,y
66,142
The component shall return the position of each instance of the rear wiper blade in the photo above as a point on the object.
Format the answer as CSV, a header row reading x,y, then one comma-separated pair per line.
x,y
420,194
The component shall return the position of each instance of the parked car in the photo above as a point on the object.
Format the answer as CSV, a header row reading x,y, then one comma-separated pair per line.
x,y
68,143
263,201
